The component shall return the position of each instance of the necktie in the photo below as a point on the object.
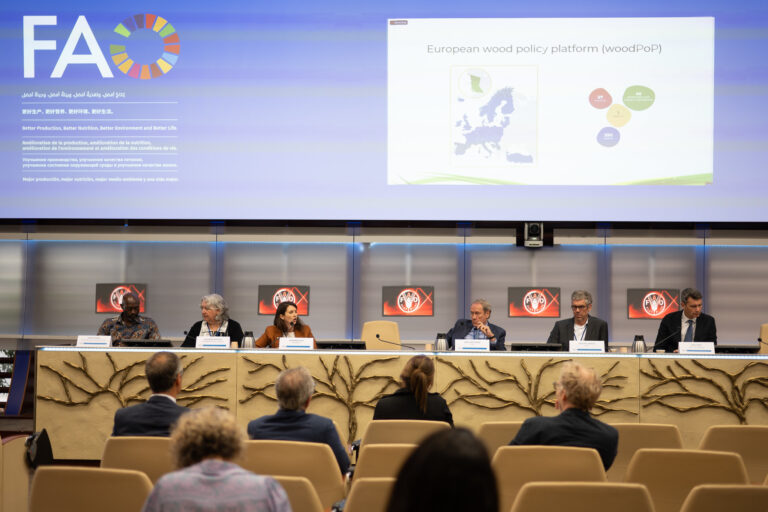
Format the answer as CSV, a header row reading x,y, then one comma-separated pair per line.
x,y
689,332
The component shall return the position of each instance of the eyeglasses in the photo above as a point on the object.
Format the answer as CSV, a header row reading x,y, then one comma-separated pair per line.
x,y
579,308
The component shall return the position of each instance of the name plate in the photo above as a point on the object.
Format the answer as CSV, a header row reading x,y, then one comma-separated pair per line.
x,y
287,343
212,342
94,341
696,347
469,344
593,346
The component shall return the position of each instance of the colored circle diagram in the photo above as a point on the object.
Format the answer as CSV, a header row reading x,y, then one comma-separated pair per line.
x,y
165,42
636,97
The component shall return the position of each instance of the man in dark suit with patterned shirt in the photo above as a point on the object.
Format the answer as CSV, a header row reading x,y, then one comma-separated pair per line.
x,y
159,413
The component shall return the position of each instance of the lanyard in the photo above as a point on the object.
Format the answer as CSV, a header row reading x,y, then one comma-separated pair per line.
x,y
583,333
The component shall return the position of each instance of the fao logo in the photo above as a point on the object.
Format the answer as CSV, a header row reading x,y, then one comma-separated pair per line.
x,y
147,47
535,302
116,297
654,303
283,295
408,300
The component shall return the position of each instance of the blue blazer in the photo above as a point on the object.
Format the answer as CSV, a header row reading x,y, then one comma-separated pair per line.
x,y
155,417
464,326
299,425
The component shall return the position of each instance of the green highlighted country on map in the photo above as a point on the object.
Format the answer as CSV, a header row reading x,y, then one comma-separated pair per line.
x,y
475,84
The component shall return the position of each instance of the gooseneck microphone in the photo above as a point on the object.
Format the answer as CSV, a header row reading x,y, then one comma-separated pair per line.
x,y
655,345
378,337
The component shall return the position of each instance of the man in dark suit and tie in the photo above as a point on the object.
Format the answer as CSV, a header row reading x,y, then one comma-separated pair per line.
x,y
156,416
690,324
478,327
292,422
582,327
576,392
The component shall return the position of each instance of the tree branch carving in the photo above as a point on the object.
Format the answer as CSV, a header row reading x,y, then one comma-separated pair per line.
x,y
678,388
80,386
485,388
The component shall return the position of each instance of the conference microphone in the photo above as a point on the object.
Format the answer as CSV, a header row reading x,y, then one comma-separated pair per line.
x,y
666,339
378,337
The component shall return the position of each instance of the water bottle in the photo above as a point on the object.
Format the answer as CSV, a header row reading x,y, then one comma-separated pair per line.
x,y
248,341
441,344
639,346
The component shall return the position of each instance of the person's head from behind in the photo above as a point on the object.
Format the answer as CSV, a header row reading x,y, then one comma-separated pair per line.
x,y
294,388
207,433
449,471
418,376
578,386
163,371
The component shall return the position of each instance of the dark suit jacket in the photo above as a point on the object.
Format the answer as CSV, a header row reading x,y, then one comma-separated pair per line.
x,y
234,331
669,331
563,332
572,427
463,327
402,405
155,417
300,426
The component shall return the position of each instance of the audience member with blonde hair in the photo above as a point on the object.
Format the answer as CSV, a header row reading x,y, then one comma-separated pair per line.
x,y
576,392
413,401
205,443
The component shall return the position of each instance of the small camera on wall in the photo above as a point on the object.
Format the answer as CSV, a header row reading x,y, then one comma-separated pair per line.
x,y
533,235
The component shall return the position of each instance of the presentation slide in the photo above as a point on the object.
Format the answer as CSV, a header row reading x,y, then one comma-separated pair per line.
x,y
418,111
551,101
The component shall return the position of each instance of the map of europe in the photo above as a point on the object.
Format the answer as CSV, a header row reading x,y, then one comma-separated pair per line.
x,y
492,127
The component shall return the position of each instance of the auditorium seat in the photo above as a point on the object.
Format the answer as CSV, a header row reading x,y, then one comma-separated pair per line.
x,y
670,475
582,497
314,461
370,495
720,498
401,431
749,441
381,460
633,436
763,339
14,485
79,489
301,493
515,466
150,455
387,331
495,434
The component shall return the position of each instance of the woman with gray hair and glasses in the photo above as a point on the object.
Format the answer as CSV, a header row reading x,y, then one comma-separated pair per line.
x,y
215,322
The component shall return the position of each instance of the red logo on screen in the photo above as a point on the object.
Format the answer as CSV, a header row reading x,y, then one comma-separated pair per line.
x,y
654,303
535,302
283,295
408,301
116,297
